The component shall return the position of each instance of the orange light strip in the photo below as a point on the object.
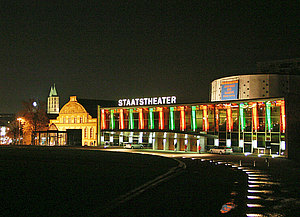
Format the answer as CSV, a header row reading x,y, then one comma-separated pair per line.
x,y
217,119
229,118
254,117
103,121
121,120
182,118
161,118
205,119
141,119
282,114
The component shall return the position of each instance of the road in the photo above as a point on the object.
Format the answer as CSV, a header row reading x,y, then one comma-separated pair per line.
x,y
264,187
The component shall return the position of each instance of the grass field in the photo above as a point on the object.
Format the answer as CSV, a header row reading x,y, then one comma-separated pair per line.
x,y
62,181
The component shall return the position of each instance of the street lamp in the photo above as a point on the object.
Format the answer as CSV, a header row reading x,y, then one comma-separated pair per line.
x,y
20,122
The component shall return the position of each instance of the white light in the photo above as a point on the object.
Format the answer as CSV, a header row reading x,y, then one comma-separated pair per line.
x,y
254,215
254,143
241,143
111,139
228,142
34,104
216,142
254,197
254,205
282,145
260,191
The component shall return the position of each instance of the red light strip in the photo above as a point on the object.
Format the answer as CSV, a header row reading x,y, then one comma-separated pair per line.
x,y
217,119
182,118
121,120
161,118
141,119
205,119
254,117
282,114
103,121
229,118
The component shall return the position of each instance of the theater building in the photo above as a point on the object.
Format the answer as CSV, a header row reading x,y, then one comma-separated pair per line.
x,y
257,125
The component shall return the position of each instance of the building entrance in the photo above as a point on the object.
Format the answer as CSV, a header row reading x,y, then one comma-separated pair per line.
x,y
74,137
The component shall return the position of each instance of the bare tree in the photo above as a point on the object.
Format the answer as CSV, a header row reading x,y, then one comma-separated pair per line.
x,y
35,117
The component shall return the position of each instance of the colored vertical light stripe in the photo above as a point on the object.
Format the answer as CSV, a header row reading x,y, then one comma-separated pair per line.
x,y
182,118
172,121
282,116
193,122
103,121
205,119
151,119
229,118
141,119
254,117
161,118
217,117
121,119
242,117
268,116
112,120
131,121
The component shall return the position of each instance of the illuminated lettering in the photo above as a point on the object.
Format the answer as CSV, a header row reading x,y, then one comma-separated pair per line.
x,y
120,102
159,101
173,101
147,101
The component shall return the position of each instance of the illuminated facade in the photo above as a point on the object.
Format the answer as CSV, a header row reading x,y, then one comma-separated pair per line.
x,y
254,86
248,126
74,116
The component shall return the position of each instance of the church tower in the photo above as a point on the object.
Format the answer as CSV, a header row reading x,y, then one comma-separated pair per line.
x,y
53,101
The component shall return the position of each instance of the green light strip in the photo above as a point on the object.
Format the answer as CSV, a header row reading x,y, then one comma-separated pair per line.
x,y
268,115
242,117
112,120
151,122
131,121
171,123
194,124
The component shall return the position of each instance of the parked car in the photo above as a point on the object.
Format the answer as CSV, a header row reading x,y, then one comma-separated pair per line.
x,y
133,146
221,150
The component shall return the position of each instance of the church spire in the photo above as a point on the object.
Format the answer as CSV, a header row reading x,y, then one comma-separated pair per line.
x,y
53,91
53,101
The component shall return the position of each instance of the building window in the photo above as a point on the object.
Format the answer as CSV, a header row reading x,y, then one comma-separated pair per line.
x,y
85,132
69,120
92,132
75,120
80,120
64,120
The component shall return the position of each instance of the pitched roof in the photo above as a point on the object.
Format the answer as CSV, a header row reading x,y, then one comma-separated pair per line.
x,y
91,105
53,91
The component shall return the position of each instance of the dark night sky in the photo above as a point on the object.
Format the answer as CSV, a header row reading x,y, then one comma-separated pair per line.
x,y
124,49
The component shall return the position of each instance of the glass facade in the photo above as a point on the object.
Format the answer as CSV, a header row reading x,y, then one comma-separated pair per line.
x,y
246,126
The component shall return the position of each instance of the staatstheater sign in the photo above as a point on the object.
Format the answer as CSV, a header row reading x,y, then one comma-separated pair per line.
x,y
160,100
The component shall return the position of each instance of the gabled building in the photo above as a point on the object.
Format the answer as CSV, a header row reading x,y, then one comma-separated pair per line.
x,y
76,123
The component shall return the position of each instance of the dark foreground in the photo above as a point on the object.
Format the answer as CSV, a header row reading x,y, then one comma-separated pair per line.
x,y
61,181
